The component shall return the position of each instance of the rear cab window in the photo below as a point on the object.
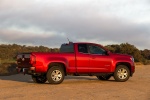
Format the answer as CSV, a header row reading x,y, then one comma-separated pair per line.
x,y
67,48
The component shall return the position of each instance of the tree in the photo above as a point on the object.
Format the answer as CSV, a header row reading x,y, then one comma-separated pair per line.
x,y
146,53
126,48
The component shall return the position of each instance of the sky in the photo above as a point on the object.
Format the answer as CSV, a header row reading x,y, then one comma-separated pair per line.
x,y
51,22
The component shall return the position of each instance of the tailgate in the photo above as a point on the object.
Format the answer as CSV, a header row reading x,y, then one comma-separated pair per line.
x,y
23,60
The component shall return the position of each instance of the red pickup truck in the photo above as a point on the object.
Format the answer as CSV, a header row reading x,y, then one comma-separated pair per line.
x,y
76,59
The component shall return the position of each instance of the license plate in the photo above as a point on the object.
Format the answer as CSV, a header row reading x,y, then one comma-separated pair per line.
x,y
23,69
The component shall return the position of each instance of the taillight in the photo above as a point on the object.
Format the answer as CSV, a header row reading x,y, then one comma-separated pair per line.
x,y
32,59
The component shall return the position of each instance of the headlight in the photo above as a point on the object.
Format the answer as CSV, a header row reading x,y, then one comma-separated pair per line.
x,y
132,59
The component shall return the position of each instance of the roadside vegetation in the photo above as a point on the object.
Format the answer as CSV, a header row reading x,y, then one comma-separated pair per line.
x,y
140,56
8,54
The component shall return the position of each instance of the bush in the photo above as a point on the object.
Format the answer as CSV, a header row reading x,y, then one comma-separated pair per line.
x,y
146,62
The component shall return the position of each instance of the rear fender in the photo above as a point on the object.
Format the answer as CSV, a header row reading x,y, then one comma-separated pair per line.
x,y
60,64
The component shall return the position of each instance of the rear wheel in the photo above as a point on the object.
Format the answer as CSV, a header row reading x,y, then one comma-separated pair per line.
x,y
104,77
55,74
39,79
122,73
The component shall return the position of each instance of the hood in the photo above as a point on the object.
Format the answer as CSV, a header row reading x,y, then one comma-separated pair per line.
x,y
118,54
123,57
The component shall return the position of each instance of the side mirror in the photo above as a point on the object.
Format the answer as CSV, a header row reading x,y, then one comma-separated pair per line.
x,y
107,52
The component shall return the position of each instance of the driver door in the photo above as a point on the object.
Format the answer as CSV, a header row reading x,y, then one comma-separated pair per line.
x,y
99,60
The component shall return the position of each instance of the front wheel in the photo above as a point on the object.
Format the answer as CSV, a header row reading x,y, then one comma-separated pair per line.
x,y
121,73
55,75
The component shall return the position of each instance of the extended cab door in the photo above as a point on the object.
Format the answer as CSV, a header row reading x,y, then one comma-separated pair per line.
x,y
82,58
100,61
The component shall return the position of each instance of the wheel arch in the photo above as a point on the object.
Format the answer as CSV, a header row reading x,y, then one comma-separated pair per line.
x,y
126,64
60,64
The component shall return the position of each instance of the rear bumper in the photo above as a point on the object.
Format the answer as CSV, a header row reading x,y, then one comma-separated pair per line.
x,y
29,70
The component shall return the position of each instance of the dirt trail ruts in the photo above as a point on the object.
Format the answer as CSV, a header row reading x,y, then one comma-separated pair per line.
x,y
20,87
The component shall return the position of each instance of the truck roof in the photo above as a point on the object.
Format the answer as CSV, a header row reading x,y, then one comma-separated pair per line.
x,y
88,43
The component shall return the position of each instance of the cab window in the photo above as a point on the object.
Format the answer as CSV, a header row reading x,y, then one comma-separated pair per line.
x,y
96,50
82,48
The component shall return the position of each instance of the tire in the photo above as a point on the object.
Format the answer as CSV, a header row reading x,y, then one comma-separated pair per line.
x,y
39,79
104,77
121,73
55,74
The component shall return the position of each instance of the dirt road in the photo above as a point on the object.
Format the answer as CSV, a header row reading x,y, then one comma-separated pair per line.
x,y
20,87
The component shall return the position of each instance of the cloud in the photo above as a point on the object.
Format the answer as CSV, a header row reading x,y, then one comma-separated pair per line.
x,y
46,39
51,22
